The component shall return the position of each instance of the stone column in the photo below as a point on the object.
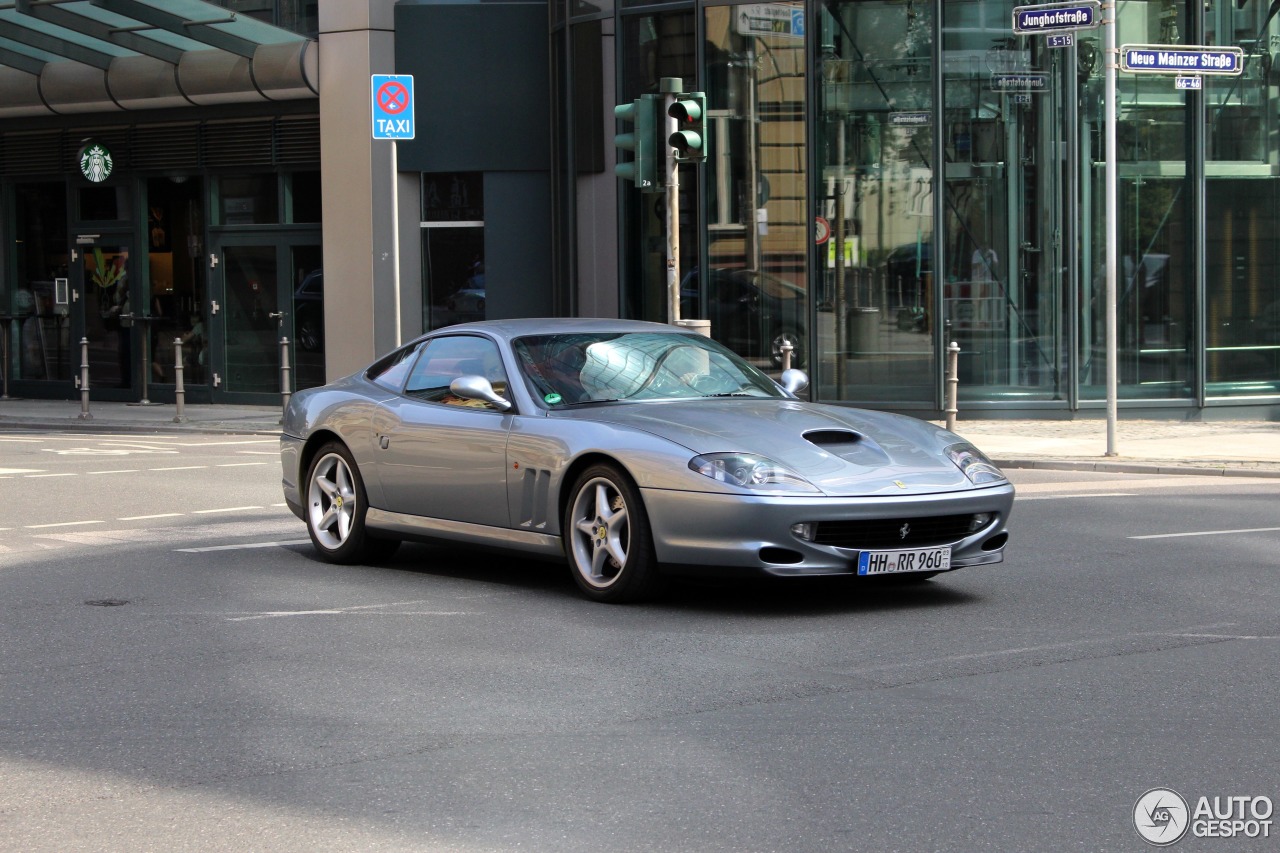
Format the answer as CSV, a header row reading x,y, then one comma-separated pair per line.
x,y
357,39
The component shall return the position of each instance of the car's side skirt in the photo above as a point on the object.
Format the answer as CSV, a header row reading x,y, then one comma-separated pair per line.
x,y
418,527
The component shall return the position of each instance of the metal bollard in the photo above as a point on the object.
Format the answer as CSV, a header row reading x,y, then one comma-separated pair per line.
x,y
787,349
953,383
84,381
179,391
285,385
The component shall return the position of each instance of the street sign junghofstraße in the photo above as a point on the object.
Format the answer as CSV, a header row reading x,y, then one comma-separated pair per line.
x,y
1056,17
1183,60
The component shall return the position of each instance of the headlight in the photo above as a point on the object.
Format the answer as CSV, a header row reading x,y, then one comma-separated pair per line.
x,y
978,468
750,472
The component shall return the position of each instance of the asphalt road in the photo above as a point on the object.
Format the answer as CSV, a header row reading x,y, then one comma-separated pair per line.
x,y
177,672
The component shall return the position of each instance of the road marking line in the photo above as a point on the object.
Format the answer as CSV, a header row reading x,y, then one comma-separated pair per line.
x,y
1021,498
227,509
63,524
20,470
145,517
1207,533
237,464
116,471
361,610
38,476
244,546
179,468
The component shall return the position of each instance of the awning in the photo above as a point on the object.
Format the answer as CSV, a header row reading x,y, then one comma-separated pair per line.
x,y
89,56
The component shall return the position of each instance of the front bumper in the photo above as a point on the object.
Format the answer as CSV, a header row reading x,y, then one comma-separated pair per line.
x,y
290,454
753,533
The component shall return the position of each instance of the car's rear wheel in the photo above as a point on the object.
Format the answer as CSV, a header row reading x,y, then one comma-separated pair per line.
x,y
607,537
336,508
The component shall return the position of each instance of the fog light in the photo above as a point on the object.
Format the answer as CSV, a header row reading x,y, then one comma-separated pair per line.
x,y
979,521
805,530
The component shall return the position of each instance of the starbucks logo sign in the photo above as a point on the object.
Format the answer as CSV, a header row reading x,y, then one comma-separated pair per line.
x,y
95,162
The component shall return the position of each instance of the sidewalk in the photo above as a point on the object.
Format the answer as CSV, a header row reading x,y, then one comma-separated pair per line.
x,y
1228,448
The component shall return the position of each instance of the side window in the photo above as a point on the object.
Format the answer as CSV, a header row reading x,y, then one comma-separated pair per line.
x,y
390,371
447,358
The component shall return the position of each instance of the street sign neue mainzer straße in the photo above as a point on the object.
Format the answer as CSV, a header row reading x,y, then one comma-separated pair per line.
x,y
1185,59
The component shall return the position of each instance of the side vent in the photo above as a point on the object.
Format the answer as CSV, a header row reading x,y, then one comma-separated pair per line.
x,y
533,499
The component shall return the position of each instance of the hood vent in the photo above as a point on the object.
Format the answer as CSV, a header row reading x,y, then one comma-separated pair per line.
x,y
849,446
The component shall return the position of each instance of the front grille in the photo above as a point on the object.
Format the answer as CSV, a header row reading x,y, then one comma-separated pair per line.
x,y
865,534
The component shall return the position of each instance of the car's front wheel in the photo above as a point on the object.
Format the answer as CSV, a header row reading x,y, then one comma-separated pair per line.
x,y
607,537
336,507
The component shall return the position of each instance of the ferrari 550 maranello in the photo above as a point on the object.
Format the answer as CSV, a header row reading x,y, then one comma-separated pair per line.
x,y
632,450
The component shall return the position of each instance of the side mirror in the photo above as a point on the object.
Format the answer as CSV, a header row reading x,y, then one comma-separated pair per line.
x,y
794,381
478,388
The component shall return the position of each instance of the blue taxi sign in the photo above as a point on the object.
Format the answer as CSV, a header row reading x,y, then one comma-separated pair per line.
x,y
392,96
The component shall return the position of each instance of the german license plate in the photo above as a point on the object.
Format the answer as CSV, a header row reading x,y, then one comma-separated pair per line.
x,y
907,560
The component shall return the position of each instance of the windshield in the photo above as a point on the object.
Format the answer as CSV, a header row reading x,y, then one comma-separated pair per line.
x,y
568,370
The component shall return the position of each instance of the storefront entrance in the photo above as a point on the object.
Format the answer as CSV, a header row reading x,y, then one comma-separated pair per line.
x,y
272,289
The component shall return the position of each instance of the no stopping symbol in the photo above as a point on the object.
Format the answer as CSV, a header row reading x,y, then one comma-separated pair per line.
x,y
393,97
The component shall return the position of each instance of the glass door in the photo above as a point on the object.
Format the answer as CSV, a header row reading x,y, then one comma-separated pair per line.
x,y
102,311
1008,119
266,288
875,193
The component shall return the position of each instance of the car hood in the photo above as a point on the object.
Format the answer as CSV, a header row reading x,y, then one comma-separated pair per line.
x,y
844,452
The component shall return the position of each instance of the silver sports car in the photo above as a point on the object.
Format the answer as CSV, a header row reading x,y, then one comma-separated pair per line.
x,y
631,449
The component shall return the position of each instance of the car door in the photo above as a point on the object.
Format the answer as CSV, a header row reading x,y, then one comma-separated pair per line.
x,y
440,456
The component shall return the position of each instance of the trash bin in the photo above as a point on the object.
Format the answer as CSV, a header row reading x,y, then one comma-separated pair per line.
x,y
864,330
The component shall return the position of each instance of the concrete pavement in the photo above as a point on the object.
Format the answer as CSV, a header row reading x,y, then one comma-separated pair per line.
x,y
1230,448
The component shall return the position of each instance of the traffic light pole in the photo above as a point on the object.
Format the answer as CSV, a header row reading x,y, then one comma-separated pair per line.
x,y
671,86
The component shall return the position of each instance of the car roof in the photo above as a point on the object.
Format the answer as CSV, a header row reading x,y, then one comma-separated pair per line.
x,y
510,329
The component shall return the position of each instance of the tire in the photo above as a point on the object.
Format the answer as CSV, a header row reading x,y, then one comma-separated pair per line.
x,y
607,539
335,510
787,336
307,331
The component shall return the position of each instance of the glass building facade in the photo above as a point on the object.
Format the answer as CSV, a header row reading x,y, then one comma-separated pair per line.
x,y
885,177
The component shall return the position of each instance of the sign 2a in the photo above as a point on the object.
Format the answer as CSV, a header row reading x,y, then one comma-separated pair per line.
x,y
392,96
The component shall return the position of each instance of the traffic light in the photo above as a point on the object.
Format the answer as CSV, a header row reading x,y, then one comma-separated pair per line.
x,y
642,142
690,139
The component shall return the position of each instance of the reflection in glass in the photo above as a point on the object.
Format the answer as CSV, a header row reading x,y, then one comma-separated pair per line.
x,y
252,324
1155,275
307,311
875,296
108,324
1242,197
755,292
39,328
176,279
654,47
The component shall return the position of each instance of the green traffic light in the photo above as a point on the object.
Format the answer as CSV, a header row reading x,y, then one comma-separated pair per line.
x,y
642,143
690,139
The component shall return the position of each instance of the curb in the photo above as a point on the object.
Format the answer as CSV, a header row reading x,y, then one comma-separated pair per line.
x,y
1138,467
188,428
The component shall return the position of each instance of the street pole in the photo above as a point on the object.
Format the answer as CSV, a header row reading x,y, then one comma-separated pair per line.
x,y
670,86
395,235
1110,63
